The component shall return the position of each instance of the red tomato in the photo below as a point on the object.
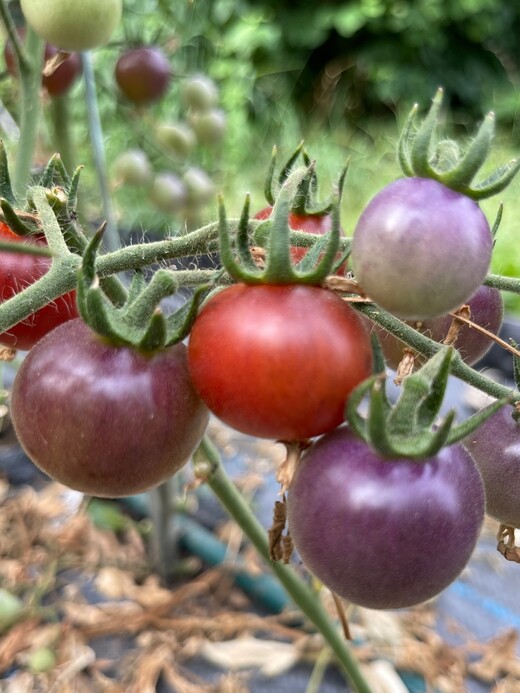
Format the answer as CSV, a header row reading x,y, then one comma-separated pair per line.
x,y
318,224
63,77
278,361
17,271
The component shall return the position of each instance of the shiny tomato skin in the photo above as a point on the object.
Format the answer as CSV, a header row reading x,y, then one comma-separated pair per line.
x,y
17,271
420,249
143,74
105,420
384,533
278,362
317,224
495,447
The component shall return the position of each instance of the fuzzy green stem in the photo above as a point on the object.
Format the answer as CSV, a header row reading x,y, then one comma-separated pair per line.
x,y
428,348
30,79
498,281
298,590
61,127
111,237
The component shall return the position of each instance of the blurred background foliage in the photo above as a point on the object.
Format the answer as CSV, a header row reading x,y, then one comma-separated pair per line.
x,y
341,74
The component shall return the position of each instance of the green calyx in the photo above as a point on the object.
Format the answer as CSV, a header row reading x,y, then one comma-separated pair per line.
x,y
278,267
304,202
139,322
410,428
421,156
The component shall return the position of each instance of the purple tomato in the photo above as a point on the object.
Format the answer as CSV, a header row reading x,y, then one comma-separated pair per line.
x,y
487,310
381,533
421,249
143,74
105,420
495,447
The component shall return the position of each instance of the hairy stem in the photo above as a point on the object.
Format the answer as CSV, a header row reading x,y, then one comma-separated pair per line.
x,y
301,594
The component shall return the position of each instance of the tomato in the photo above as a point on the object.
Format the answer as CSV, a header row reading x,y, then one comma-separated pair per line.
x,y
384,534
200,93
317,224
495,447
486,308
278,361
105,420
143,74
420,249
17,271
61,80
73,25
168,192
133,167
177,138
209,126
199,186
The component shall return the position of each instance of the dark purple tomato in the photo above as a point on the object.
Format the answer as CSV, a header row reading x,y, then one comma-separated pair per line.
x,y
17,271
421,249
105,420
278,361
63,77
384,534
143,74
487,310
495,447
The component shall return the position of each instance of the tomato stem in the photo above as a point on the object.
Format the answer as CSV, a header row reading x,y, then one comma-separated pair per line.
x,y
299,591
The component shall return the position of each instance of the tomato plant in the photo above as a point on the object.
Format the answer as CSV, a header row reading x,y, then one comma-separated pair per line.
x,y
110,420
143,74
382,533
495,447
486,310
278,361
421,249
63,77
317,224
18,271
73,25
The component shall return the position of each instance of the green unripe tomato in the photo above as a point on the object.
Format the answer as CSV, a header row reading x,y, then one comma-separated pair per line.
x,y
209,126
199,185
133,167
73,25
11,608
168,192
200,93
177,138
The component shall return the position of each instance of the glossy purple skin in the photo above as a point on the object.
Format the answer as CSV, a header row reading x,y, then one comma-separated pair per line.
x,y
420,249
495,447
105,420
384,534
487,310
143,74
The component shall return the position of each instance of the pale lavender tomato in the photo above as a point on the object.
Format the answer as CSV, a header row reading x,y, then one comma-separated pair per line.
x,y
421,249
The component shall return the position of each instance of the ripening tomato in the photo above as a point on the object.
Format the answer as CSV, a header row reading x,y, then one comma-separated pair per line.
x,y
420,249
143,74
102,419
486,307
278,361
384,533
495,447
63,77
17,271
317,224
